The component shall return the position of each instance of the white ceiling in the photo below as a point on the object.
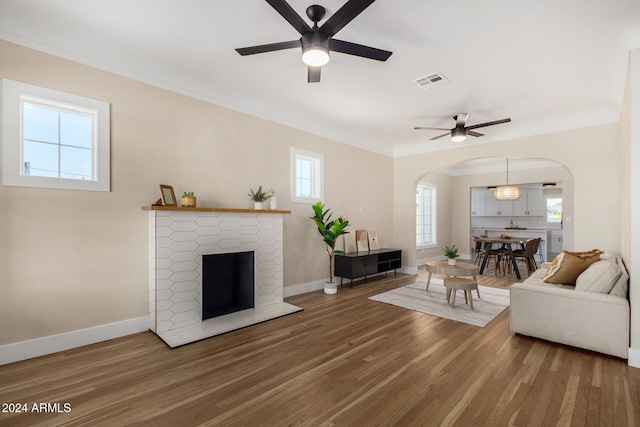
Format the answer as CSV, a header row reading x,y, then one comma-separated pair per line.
x,y
548,65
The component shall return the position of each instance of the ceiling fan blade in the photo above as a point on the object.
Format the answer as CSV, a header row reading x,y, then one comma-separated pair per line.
x,y
439,136
474,133
313,74
420,128
358,50
461,119
269,47
287,12
344,15
481,125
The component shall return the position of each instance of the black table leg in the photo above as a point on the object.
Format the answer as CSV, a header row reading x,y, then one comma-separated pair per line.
x,y
513,261
487,249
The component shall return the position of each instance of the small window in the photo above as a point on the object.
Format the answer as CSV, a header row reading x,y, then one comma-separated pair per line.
x,y
425,215
53,139
307,176
554,209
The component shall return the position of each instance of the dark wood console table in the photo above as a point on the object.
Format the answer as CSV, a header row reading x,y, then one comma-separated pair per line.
x,y
363,264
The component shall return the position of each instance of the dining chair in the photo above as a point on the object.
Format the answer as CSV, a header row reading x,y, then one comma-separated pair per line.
x,y
527,254
478,249
498,254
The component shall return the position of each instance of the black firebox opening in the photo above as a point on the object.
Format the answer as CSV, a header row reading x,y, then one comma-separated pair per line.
x,y
227,283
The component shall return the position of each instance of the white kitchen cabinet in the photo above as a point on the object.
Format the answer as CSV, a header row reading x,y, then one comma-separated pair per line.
x,y
495,207
556,242
478,202
529,204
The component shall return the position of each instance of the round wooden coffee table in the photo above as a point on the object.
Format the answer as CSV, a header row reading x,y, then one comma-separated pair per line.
x,y
460,269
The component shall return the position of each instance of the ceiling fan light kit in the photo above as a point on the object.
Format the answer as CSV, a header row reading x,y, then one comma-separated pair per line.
x,y
315,49
458,134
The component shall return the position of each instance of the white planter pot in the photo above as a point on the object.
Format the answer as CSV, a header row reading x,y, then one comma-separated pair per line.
x,y
451,261
258,206
330,288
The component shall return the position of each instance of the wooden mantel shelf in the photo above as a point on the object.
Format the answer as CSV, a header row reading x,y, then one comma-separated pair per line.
x,y
268,211
178,208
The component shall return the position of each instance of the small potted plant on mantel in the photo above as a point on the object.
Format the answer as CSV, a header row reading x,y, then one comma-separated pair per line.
x,y
330,230
188,200
451,252
259,197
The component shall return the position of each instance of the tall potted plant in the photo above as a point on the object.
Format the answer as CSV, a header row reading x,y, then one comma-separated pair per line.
x,y
330,230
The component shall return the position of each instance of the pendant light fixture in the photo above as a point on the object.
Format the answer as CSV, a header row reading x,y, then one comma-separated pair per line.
x,y
507,192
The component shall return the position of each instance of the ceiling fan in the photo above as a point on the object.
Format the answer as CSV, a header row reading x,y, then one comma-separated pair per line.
x,y
316,42
460,132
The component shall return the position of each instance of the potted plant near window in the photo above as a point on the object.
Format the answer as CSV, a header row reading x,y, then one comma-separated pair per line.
x,y
330,230
188,200
259,197
451,252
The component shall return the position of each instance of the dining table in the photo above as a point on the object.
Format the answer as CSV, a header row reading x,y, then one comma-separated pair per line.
x,y
488,242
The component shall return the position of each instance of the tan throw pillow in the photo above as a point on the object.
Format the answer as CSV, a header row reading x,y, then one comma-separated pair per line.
x,y
569,265
599,277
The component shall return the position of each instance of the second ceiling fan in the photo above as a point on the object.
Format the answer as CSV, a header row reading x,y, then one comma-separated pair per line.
x,y
316,42
461,130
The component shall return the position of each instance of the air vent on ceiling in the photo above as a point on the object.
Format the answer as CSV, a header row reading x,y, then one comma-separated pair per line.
x,y
431,80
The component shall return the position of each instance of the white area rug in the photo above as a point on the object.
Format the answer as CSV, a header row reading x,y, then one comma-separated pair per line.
x,y
491,303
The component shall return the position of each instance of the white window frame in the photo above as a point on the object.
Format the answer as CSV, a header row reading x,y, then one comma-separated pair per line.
x,y
14,95
433,243
546,203
317,178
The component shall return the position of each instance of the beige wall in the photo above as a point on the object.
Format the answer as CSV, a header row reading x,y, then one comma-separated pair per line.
x,y
74,259
590,155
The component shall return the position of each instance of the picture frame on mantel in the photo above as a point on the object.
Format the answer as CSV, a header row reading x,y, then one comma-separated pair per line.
x,y
168,196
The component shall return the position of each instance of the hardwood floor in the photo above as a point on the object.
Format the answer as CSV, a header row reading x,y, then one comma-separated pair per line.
x,y
344,361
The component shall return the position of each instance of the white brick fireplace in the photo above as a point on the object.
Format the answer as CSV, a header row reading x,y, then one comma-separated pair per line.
x,y
177,240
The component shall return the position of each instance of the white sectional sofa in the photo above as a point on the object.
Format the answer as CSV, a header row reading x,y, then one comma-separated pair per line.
x,y
587,315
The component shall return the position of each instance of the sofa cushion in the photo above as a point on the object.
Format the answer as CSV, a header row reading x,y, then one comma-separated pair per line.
x,y
567,266
536,279
621,286
599,277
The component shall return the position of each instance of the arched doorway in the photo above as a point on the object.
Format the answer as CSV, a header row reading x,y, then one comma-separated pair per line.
x,y
454,183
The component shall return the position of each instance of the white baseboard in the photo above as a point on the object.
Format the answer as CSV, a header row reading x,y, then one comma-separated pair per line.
x,y
408,270
302,288
634,357
23,350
